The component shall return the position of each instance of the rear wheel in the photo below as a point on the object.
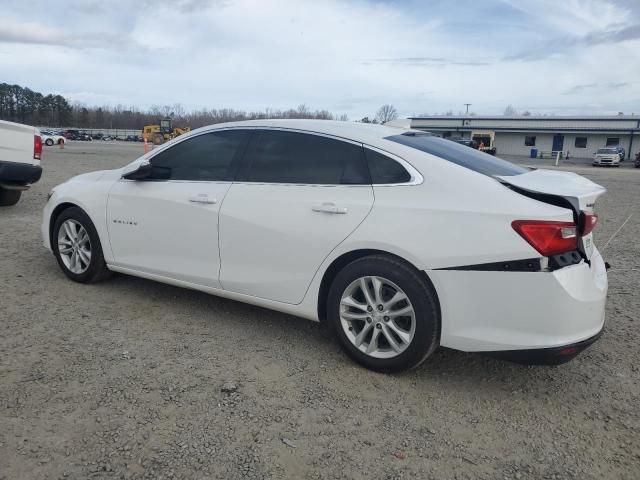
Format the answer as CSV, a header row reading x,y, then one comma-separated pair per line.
x,y
158,139
9,197
384,314
77,247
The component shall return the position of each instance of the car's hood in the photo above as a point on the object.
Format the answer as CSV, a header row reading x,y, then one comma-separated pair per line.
x,y
578,190
89,177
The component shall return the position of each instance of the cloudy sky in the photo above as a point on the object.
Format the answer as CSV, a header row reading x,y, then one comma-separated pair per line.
x,y
423,56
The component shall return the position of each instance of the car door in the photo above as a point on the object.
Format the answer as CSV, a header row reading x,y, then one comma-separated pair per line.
x,y
167,224
296,197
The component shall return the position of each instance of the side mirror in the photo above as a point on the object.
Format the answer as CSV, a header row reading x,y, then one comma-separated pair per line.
x,y
138,172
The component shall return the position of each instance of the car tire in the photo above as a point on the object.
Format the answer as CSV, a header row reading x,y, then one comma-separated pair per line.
x,y
81,269
401,342
48,142
9,197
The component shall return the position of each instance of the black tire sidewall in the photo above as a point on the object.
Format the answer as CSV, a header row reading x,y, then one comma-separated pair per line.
x,y
8,198
423,300
97,265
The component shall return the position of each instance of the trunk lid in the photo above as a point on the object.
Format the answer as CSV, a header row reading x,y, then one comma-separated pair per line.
x,y
563,189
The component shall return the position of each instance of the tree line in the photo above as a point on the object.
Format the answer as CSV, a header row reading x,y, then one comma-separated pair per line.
x,y
23,105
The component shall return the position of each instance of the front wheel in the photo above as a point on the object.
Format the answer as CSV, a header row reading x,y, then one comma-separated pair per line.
x,y
384,314
77,247
48,142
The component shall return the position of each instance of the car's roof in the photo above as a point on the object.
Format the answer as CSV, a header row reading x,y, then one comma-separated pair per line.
x,y
351,130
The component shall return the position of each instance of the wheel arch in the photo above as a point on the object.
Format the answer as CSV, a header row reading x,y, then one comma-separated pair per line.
x,y
343,260
56,213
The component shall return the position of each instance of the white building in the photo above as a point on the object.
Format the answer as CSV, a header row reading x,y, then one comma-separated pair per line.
x,y
580,137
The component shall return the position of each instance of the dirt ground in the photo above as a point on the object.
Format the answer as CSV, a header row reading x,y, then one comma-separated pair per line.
x,y
135,379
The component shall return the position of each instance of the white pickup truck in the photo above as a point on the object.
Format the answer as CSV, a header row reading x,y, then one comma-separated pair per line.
x,y
20,152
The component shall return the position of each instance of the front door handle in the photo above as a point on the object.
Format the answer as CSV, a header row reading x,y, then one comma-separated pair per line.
x,y
203,198
329,207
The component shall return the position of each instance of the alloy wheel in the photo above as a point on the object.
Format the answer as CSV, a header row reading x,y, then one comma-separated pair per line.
x,y
74,246
377,317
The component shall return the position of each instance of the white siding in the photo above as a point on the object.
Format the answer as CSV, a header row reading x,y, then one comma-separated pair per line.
x,y
513,143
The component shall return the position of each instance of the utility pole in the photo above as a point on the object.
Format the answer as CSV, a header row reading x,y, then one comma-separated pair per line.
x,y
467,105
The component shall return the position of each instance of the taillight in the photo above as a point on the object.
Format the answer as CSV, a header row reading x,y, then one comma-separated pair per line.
x,y
548,238
589,222
37,147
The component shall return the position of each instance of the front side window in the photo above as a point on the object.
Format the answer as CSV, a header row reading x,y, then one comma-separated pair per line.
x,y
613,142
385,170
459,154
581,142
277,156
206,157
530,141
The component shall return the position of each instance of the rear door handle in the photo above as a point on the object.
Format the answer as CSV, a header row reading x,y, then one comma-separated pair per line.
x,y
203,198
329,207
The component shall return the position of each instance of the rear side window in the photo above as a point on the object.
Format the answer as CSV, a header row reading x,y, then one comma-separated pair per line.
x,y
385,170
276,156
206,157
459,154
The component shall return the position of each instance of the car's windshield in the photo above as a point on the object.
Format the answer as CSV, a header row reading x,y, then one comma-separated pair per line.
x,y
459,154
607,151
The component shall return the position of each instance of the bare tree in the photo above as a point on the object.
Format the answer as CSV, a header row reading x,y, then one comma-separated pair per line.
x,y
510,111
386,113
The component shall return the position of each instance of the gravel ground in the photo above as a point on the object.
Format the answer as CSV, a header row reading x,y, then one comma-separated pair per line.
x,y
135,379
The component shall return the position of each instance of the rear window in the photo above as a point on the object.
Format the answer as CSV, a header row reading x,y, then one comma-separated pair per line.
x,y
459,154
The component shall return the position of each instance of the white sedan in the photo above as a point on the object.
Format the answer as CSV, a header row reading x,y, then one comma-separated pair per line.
x,y
52,139
400,241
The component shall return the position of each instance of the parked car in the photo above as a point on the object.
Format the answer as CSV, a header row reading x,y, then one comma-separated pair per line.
x,y
133,138
607,156
71,134
108,138
97,136
466,142
400,241
637,162
20,154
84,137
52,139
621,151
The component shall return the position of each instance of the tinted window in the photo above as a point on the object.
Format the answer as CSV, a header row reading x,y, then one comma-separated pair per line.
x,y
384,169
613,141
276,156
581,142
530,141
459,154
205,157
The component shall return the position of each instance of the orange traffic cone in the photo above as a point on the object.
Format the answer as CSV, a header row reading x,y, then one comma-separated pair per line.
x,y
146,144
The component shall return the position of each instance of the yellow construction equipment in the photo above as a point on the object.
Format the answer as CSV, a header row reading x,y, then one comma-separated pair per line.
x,y
158,134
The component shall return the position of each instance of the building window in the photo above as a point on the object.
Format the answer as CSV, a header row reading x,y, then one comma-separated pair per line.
x,y
530,141
581,142
613,141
